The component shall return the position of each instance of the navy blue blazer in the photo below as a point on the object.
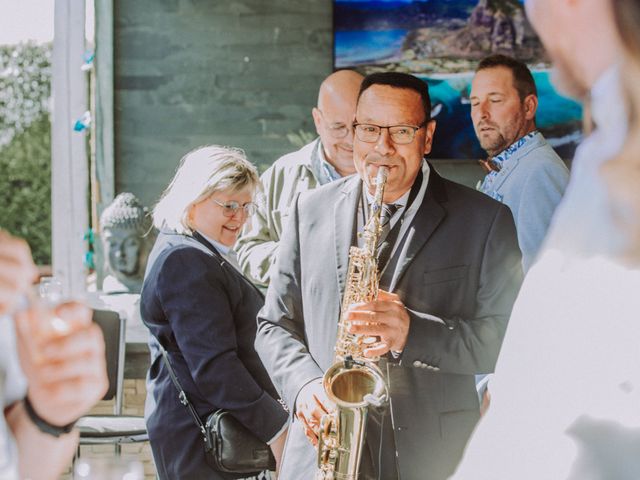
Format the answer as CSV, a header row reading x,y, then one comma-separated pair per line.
x,y
203,311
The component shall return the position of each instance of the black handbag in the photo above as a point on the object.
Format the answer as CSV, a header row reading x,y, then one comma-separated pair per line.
x,y
229,446
234,449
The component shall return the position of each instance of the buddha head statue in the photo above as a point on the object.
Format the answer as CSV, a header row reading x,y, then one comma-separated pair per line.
x,y
126,240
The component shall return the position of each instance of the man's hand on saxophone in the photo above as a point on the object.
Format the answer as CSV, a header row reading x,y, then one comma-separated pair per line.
x,y
385,318
311,404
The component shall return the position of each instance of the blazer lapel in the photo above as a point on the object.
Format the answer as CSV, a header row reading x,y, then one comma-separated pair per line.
x,y
344,224
424,223
205,243
199,239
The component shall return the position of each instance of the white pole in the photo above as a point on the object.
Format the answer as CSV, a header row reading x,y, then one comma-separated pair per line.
x,y
70,176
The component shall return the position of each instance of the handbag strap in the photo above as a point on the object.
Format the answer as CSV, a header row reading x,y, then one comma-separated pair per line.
x,y
182,396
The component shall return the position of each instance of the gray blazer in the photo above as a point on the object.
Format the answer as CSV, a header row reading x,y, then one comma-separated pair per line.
x,y
531,183
459,261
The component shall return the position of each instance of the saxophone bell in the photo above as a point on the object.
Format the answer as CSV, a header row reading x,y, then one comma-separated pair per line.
x,y
353,386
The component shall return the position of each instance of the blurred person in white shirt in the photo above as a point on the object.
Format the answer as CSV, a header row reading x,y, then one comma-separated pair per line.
x,y
566,392
47,379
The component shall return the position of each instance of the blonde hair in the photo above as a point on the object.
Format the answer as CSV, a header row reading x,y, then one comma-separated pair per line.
x,y
201,173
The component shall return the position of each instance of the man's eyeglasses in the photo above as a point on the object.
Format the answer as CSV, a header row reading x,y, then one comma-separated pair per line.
x,y
400,134
229,209
336,130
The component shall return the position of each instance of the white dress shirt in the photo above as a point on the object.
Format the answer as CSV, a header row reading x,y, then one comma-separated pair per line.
x,y
363,214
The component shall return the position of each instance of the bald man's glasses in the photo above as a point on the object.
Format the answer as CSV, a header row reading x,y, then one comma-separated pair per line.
x,y
400,134
336,130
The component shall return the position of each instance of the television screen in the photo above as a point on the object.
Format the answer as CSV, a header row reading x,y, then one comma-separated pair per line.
x,y
442,41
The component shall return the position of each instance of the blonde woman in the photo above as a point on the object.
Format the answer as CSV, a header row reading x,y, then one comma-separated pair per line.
x,y
202,310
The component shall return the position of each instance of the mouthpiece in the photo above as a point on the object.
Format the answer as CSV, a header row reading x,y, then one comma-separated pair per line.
x,y
381,177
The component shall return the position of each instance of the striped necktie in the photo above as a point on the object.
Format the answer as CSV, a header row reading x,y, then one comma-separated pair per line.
x,y
386,214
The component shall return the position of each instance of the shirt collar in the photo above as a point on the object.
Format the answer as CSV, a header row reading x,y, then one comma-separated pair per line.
x,y
402,201
223,249
515,147
328,169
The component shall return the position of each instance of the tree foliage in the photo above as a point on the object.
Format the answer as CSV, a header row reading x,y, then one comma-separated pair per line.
x,y
25,145
25,188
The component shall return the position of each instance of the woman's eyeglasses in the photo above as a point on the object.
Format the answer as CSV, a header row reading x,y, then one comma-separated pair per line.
x,y
229,209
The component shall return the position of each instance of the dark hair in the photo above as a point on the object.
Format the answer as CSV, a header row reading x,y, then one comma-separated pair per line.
x,y
400,80
522,78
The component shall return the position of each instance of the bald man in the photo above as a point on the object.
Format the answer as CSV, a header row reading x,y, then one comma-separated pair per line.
x,y
327,158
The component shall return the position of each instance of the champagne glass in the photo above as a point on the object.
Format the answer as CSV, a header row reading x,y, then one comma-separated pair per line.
x,y
42,321
50,290
48,295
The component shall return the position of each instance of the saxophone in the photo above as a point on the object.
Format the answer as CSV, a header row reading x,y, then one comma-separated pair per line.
x,y
353,382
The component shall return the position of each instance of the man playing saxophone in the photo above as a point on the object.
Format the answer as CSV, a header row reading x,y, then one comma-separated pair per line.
x,y
449,272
